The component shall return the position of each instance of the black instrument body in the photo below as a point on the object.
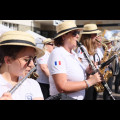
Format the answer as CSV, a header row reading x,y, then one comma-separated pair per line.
x,y
95,70
60,96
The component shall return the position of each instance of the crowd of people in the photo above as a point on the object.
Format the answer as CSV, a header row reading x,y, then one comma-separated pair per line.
x,y
61,65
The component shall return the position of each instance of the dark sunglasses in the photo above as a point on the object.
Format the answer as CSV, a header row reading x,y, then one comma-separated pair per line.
x,y
74,33
31,58
50,44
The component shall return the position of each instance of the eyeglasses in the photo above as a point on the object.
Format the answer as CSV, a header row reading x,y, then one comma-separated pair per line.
x,y
74,33
31,58
50,44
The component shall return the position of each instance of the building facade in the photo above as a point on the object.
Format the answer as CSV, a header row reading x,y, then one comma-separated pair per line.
x,y
47,28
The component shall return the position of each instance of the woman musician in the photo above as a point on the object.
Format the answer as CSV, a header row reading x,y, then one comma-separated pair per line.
x,y
88,39
111,68
17,55
67,73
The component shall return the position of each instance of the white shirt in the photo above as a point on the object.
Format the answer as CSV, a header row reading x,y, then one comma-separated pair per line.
x,y
28,90
61,61
109,50
80,54
102,50
42,60
99,55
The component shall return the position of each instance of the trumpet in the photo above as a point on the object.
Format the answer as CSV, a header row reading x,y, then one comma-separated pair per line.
x,y
21,81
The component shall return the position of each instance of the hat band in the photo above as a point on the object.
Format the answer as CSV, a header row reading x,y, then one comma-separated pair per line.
x,y
66,30
17,41
89,30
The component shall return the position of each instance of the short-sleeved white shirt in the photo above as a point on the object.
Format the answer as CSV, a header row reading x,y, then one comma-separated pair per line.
x,y
42,60
80,54
108,52
61,61
28,90
99,55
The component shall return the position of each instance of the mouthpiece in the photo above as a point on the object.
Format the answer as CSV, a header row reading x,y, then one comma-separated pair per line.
x,y
78,44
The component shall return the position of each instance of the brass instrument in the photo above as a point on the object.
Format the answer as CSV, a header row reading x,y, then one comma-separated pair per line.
x,y
99,87
34,76
116,62
115,50
104,83
107,75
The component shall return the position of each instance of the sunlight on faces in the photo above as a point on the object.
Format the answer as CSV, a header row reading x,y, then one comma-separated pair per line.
x,y
71,38
19,66
96,43
50,46
93,36
109,45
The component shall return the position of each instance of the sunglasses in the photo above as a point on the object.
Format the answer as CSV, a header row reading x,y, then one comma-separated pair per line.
x,y
74,33
31,58
50,44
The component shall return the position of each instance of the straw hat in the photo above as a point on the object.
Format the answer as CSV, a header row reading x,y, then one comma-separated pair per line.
x,y
106,41
48,40
65,27
20,38
90,29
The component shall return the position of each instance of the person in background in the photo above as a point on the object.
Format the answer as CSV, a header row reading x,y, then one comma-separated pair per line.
x,y
42,67
17,55
88,40
98,54
110,79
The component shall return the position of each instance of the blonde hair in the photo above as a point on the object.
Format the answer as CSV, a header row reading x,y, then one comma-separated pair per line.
x,y
87,41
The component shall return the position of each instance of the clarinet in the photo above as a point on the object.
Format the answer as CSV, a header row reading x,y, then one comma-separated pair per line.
x,y
95,70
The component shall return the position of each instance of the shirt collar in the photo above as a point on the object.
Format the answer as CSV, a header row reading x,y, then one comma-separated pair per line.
x,y
47,52
5,82
67,53
73,54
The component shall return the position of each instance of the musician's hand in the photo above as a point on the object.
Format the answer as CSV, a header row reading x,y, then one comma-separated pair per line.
x,y
89,69
6,96
94,79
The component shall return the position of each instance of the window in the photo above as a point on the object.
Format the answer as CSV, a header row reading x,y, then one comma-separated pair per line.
x,y
11,25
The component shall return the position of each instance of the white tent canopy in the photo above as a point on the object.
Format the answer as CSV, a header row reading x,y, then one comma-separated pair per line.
x,y
38,38
4,29
112,35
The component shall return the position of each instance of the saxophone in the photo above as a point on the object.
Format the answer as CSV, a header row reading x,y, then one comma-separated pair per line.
x,y
34,76
96,70
106,74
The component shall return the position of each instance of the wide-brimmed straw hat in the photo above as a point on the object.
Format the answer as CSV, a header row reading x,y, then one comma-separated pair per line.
x,y
104,40
90,29
21,39
65,27
48,40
